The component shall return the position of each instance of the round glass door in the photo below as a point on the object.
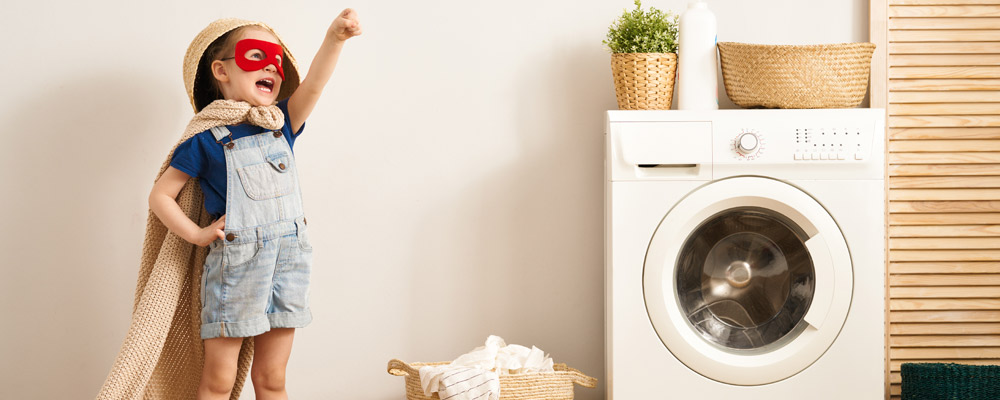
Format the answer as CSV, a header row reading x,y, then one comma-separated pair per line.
x,y
745,279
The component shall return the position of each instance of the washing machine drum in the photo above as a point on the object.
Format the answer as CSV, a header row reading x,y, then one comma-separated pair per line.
x,y
747,280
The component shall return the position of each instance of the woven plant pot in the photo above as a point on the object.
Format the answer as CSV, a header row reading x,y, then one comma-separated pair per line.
x,y
556,385
644,81
936,381
814,76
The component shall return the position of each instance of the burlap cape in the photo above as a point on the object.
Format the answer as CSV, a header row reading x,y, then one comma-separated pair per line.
x,y
162,355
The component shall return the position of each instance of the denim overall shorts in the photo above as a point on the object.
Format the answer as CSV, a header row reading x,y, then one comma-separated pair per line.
x,y
257,278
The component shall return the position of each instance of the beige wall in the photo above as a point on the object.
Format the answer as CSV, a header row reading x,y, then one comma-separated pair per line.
x,y
452,176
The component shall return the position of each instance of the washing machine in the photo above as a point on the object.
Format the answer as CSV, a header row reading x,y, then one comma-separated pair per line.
x,y
745,254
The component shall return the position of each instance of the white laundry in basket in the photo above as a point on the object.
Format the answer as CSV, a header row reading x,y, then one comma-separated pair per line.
x,y
476,374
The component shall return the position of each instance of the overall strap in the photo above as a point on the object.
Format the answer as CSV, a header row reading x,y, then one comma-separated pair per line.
x,y
221,132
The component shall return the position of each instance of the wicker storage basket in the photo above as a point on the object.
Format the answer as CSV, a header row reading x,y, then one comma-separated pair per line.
x,y
933,381
814,76
644,81
541,386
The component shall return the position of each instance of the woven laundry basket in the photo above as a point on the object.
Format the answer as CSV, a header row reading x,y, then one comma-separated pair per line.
x,y
644,81
812,76
556,385
936,381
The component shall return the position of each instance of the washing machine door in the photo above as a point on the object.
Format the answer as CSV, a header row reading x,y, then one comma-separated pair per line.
x,y
748,280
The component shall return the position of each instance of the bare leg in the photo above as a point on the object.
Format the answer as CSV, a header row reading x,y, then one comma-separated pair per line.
x,y
270,357
219,373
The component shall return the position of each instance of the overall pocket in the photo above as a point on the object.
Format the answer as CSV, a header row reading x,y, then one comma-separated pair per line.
x,y
268,179
239,254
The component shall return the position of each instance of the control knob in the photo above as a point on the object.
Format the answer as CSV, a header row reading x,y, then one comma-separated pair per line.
x,y
747,143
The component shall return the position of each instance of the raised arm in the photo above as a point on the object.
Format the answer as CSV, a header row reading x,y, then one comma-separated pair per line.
x,y
301,104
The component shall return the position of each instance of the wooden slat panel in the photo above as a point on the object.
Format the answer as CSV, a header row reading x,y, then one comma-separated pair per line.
x,y
939,2
943,23
981,35
944,304
945,158
943,218
944,84
944,279
962,207
944,316
944,255
944,194
937,121
944,146
943,11
945,108
950,328
944,48
944,170
944,352
944,243
944,182
944,341
943,133
945,268
945,231
946,97
944,292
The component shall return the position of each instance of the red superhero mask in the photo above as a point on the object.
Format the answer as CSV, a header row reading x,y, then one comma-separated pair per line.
x,y
263,53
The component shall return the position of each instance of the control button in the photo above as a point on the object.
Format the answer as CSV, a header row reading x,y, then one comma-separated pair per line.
x,y
231,237
840,156
859,156
824,156
815,156
798,156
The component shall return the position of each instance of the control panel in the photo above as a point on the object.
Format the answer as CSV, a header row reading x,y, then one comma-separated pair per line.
x,y
794,142
829,144
824,144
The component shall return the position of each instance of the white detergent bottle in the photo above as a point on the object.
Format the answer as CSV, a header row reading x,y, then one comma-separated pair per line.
x,y
697,82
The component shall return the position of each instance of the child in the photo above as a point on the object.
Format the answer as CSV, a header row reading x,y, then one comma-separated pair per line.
x,y
256,273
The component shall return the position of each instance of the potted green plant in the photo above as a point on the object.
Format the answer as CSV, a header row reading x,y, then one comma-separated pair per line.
x,y
644,58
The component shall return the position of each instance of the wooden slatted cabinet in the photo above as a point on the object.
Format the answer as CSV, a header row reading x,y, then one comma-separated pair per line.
x,y
938,76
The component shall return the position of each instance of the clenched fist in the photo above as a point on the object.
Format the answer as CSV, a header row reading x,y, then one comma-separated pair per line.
x,y
345,26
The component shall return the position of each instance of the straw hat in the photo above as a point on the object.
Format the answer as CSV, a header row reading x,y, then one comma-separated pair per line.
x,y
214,31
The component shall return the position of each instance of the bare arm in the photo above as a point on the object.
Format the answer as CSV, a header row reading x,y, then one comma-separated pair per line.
x,y
302,102
162,200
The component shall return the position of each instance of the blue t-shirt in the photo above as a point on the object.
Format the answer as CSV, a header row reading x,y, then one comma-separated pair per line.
x,y
201,157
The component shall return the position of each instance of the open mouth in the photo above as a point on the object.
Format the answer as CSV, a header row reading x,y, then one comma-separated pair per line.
x,y
266,85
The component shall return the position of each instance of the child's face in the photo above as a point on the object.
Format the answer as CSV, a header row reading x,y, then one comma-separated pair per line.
x,y
259,87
